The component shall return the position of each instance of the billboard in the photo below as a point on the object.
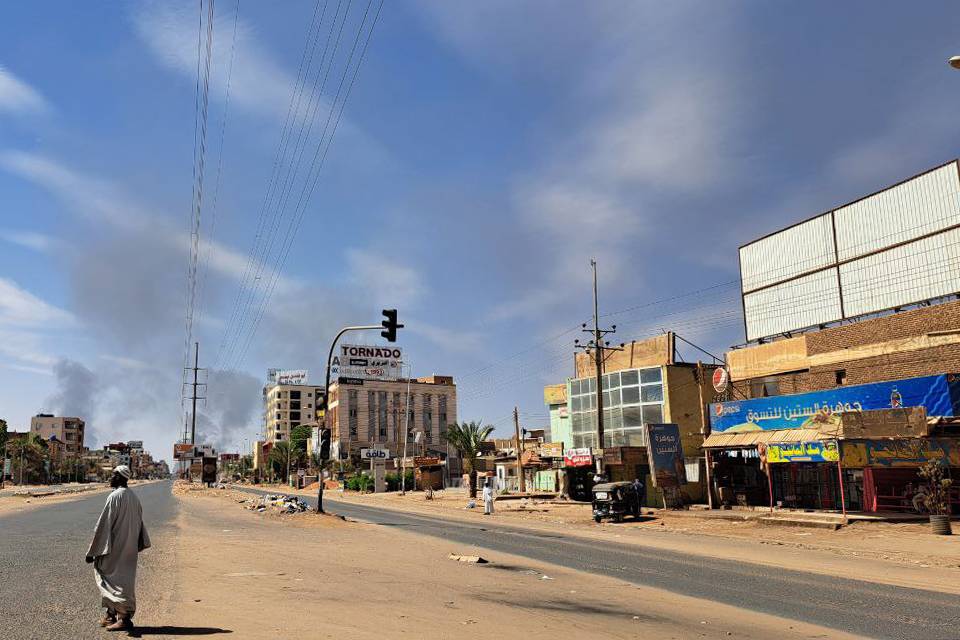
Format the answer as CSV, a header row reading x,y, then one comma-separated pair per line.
x,y
665,455
182,451
939,395
893,248
580,457
366,362
283,376
901,452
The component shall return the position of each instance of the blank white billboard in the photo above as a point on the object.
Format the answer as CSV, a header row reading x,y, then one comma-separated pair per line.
x,y
913,272
910,210
810,300
799,249
889,249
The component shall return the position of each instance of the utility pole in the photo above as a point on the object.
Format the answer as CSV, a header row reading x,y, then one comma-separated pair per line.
x,y
516,426
194,397
704,428
596,347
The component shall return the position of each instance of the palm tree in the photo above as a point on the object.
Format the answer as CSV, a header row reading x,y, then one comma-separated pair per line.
x,y
466,437
280,457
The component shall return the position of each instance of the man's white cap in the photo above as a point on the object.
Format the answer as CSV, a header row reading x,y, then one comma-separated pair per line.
x,y
123,470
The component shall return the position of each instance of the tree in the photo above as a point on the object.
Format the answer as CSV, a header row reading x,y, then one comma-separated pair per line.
x,y
281,457
3,447
28,455
466,437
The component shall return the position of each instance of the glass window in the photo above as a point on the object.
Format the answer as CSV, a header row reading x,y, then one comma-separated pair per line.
x,y
591,385
630,395
606,398
574,387
629,377
652,414
575,403
614,398
632,416
652,393
614,381
650,375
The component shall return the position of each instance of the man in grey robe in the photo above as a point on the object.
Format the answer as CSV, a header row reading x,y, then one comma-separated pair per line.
x,y
117,539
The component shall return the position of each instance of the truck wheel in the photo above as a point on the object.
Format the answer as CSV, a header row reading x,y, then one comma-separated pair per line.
x,y
596,519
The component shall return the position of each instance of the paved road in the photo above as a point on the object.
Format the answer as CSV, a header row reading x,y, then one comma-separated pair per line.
x,y
865,608
47,592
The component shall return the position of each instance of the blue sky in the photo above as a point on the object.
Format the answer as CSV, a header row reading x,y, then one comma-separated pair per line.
x,y
487,152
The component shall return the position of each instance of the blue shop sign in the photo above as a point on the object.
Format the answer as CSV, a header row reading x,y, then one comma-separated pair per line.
x,y
939,395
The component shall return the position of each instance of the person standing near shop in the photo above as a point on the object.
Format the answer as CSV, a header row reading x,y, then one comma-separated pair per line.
x,y
118,539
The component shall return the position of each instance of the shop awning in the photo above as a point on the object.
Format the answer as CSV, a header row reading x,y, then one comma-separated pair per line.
x,y
753,438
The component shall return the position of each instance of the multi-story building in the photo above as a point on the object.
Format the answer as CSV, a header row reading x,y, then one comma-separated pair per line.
x,y
286,406
373,414
69,431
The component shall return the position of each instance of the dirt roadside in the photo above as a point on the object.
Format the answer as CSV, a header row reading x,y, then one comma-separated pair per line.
x,y
898,554
263,575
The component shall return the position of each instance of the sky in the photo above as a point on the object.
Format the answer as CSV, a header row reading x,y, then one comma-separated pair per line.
x,y
463,165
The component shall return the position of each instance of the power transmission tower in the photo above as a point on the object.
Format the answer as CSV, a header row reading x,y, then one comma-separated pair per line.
x,y
193,396
596,347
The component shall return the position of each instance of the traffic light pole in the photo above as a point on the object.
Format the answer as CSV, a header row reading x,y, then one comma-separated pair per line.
x,y
389,332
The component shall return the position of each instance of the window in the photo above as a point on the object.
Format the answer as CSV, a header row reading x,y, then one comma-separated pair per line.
x,y
371,415
841,375
294,395
764,388
352,418
309,394
278,415
295,405
428,417
631,398
411,414
396,415
442,413
295,415
382,415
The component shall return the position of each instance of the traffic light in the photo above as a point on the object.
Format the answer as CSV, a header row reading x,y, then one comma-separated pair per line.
x,y
390,325
324,444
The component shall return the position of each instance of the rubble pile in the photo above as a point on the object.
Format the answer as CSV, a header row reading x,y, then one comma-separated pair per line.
x,y
278,502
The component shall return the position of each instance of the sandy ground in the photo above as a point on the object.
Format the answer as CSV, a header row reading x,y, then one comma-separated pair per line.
x,y
905,554
309,576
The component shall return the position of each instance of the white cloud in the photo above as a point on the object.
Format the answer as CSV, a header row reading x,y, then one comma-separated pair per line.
x,y
27,239
16,96
385,280
258,83
124,362
20,308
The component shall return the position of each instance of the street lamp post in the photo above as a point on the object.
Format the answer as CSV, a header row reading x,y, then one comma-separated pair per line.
x,y
406,434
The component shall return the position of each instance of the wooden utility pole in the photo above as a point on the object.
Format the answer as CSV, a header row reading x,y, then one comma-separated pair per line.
x,y
704,431
516,426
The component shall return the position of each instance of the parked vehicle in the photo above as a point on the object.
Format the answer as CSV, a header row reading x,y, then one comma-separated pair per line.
x,y
615,500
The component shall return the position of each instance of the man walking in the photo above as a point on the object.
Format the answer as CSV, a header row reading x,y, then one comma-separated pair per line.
x,y
117,539
487,498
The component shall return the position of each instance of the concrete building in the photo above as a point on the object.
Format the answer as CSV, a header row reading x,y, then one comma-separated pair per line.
x,y
642,384
286,406
371,414
919,342
69,431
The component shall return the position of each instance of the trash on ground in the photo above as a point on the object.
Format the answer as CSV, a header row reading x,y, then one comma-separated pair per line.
x,y
471,559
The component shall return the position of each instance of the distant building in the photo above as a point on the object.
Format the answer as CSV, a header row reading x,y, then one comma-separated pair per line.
x,y
286,406
69,431
372,414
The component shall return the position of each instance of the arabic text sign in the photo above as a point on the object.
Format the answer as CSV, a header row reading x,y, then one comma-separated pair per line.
x,y
901,452
367,362
665,454
374,454
816,451
808,410
581,457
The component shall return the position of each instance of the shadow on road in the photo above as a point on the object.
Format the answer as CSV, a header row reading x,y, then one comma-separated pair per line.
x,y
166,630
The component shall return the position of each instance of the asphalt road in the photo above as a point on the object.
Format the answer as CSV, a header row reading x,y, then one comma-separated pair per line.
x,y
47,591
854,606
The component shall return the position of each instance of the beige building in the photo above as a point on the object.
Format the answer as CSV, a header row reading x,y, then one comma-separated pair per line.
x,y
372,414
286,406
69,431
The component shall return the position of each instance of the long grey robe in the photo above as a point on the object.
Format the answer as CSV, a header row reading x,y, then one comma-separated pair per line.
x,y
117,539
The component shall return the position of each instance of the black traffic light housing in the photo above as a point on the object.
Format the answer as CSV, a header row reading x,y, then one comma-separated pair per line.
x,y
324,444
390,325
